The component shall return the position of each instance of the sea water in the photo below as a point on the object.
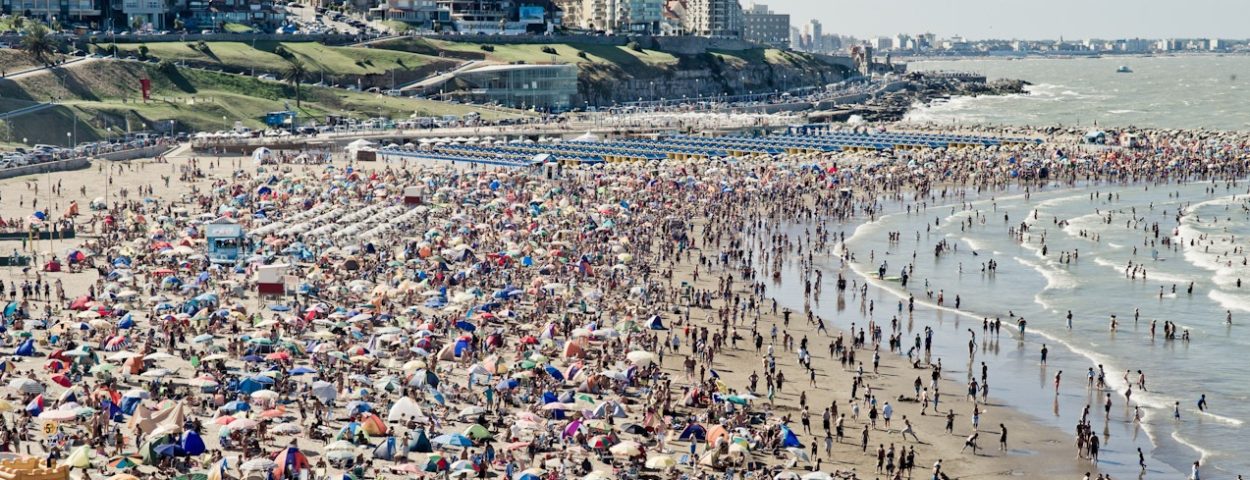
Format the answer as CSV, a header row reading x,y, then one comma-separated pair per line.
x,y
1194,91
1101,236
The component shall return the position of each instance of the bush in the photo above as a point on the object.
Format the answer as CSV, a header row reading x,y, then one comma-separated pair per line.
x,y
167,67
634,46
550,50
203,47
487,48
143,51
582,54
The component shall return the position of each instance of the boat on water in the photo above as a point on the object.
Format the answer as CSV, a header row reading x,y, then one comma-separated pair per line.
x,y
1123,69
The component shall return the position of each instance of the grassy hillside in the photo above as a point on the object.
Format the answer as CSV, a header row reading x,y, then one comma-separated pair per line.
x,y
605,69
13,60
264,57
107,93
565,53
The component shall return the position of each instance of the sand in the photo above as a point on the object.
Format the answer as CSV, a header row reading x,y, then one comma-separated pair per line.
x,y
1034,451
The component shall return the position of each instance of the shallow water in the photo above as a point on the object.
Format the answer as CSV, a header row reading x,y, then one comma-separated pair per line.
x,y
1042,288
1166,92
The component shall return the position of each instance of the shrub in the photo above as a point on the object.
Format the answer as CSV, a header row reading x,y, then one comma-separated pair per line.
x,y
582,54
550,50
167,67
634,46
487,48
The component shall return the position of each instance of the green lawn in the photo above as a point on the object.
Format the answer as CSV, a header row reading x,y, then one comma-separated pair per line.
x,y
236,28
317,57
398,26
196,99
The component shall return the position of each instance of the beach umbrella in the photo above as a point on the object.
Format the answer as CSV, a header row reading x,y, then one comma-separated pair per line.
x,y
26,385
816,476
661,462
170,450
124,462
453,439
598,475
529,474
324,391
641,358
627,448
258,465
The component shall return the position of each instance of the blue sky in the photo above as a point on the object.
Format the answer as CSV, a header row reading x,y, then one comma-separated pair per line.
x,y
1033,19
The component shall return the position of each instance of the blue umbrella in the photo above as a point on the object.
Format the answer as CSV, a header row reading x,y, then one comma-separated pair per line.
x,y
358,407
302,370
262,379
453,439
171,450
237,406
253,358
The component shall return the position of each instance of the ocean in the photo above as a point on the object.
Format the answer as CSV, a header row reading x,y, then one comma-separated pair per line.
x,y
1074,257
1195,91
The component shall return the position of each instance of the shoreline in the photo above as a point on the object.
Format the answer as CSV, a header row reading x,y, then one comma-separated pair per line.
x,y
1111,457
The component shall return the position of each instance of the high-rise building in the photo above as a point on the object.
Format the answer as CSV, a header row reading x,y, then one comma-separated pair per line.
x,y
714,18
762,26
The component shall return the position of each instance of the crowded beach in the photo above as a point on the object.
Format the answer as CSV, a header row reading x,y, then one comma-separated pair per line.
x,y
421,316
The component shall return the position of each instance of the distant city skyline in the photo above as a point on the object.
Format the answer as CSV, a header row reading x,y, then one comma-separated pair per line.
x,y
1015,19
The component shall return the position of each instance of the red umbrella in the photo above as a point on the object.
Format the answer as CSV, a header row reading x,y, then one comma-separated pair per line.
x,y
62,380
529,340
281,356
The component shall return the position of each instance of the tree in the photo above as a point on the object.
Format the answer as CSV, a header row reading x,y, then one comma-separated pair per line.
x,y
179,25
39,45
143,51
136,24
295,73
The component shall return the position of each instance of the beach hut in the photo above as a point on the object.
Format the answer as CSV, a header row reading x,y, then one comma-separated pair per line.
x,y
270,279
225,240
546,165
412,195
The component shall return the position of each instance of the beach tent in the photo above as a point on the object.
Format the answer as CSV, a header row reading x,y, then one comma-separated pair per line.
x,y
656,323
385,450
694,431
262,155
420,444
26,349
80,458
403,409
789,439
192,445
290,459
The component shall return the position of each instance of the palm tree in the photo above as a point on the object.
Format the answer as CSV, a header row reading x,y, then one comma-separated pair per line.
x,y
295,73
39,45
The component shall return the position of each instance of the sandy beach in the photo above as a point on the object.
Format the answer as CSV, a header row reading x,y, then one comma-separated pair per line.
x,y
633,354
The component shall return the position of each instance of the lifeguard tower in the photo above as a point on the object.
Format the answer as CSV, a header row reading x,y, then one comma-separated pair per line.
x,y
225,241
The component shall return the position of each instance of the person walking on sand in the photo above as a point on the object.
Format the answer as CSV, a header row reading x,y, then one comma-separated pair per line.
x,y
1002,438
